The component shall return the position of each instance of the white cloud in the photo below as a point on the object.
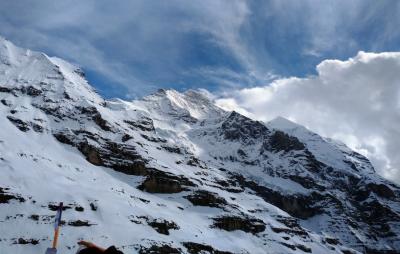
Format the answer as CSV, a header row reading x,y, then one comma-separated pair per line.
x,y
356,101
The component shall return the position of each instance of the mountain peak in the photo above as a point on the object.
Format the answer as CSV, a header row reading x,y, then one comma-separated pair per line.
x,y
21,67
192,103
4,42
282,123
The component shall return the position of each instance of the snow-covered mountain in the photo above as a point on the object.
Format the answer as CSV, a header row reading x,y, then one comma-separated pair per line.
x,y
174,173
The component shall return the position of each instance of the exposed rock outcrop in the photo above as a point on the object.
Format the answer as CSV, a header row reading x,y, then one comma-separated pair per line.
x,y
6,196
162,182
243,223
198,248
206,198
159,249
280,141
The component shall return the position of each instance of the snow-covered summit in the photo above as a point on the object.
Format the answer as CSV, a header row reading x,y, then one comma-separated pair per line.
x,y
282,123
21,68
191,104
22,65
174,173
326,150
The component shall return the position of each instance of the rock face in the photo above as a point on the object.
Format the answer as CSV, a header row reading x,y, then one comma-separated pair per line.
x,y
6,197
299,206
171,171
197,248
281,141
163,226
238,127
246,224
161,182
205,198
156,249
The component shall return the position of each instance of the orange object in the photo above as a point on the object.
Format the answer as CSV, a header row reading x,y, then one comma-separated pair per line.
x,y
55,240
57,225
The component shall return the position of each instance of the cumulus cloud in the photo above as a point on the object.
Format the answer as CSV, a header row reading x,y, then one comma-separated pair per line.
x,y
356,101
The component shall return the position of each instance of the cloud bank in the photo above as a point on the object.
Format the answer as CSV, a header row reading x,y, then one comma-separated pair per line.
x,y
356,101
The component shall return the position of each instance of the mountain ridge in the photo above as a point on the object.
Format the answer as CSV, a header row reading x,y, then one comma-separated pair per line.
x,y
174,173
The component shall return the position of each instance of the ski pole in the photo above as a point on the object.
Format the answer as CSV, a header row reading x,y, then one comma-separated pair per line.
x,y
57,224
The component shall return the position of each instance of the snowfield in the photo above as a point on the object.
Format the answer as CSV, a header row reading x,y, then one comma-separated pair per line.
x,y
174,173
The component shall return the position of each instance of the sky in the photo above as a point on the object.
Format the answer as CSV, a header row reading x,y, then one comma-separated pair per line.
x,y
299,59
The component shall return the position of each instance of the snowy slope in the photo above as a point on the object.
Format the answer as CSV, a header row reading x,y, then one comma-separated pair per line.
x,y
174,173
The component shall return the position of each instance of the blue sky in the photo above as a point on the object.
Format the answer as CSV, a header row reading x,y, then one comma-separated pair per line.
x,y
131,48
